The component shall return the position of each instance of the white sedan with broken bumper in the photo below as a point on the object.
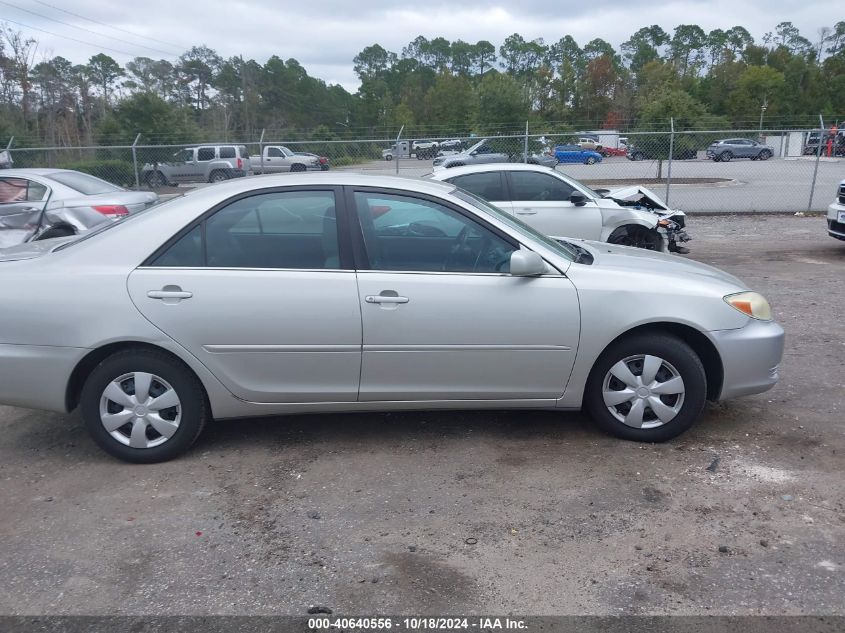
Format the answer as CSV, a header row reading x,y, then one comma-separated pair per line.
x,y
560,206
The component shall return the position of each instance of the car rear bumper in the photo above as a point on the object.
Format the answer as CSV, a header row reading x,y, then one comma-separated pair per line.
x,y
36,376
751,356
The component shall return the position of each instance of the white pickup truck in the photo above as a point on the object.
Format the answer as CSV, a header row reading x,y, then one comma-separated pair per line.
x,y
278,158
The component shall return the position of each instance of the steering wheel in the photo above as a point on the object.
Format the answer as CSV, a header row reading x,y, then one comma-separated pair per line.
x,y
462,247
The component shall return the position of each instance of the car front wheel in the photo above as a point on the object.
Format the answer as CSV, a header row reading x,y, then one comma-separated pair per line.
x,y
648,388
143,406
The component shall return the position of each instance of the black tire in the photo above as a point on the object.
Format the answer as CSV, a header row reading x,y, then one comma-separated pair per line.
x,y
672,350
591,160
637,156
195,411
725,157
455,165
764,155
636,236
63,230
297,167
156,179
388,157
218,175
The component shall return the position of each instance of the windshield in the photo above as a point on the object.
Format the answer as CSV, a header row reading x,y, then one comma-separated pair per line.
x,y
520,227
83,183
105,226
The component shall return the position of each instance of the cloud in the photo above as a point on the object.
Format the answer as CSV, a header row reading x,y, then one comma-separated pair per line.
x,y
325,36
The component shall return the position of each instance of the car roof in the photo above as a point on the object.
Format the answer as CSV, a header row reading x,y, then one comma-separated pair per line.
x,y
335,178
487,167
23,172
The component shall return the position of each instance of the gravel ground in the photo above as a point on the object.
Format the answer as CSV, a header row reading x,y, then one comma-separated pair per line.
x,y
535,513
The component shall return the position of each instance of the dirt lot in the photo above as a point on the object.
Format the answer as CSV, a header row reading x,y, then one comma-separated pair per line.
x,y
535,513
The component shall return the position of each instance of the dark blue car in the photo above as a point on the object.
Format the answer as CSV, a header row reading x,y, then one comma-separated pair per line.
x,y
576,154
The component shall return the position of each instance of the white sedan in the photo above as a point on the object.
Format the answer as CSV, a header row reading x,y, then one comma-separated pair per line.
x,y
559,206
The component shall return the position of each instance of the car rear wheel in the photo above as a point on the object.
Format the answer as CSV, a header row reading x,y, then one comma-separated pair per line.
x,y
636,236
56,231
218,176
156,179
648,388
725,157
142,406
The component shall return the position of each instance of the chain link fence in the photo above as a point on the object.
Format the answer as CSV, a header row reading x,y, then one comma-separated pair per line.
x,y
723,171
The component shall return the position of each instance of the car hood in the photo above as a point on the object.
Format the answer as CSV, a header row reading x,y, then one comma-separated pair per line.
x,y
673,268
31,250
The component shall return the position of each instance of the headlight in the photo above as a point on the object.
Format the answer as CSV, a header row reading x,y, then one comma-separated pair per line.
x,y
751,303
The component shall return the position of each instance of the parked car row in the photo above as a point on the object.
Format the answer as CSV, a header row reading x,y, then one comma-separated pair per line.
x,y
216,163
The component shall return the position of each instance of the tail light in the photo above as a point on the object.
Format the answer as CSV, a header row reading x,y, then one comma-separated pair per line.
x,y
240,163
323,160
112,210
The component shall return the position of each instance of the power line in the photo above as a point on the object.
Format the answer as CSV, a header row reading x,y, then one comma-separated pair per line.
x,y
116,28
73,26
73,39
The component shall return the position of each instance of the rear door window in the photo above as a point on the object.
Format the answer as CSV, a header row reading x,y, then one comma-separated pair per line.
x,y
487,185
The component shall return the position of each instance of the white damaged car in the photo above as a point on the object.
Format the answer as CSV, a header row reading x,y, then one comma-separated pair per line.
x,y
836,214
560,206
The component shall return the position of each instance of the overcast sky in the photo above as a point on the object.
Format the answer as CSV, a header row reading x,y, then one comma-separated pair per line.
x,y
324,35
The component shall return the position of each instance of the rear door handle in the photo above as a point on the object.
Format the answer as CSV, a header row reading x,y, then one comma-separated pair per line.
x,y
170,294
385,299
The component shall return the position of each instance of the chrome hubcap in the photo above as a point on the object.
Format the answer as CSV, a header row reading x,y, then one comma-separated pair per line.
x,y
140,410
643,391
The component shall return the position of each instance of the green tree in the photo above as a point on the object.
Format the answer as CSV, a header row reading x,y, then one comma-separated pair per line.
x,y
755,86
500,100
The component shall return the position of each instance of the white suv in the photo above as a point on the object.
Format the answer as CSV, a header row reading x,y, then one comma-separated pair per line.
x,y
836,214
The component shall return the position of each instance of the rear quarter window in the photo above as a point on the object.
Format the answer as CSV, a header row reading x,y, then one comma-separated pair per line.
x,y
227,152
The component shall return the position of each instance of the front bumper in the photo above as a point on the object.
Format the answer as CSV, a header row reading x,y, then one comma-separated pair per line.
x,y
750,356
835,228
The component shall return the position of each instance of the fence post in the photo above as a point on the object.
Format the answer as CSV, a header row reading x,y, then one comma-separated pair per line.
x,y
525,154
398,136
671,151
135,163
816,168
261,151
7,154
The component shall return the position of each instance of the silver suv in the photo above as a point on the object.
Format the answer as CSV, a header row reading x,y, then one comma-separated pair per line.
x,y
724,151
206,163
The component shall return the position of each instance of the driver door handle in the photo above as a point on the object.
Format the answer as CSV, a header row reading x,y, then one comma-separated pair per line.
x,y
170,294
526,211
385,299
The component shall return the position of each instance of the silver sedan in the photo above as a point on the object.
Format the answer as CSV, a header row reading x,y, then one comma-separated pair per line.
x,y
39,204
343,292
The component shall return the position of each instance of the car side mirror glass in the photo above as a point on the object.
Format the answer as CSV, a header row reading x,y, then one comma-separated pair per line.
x,y
526,264
578,199
473,152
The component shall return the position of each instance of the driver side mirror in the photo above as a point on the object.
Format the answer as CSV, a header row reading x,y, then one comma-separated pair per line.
x,y
526,264
578,199
473,152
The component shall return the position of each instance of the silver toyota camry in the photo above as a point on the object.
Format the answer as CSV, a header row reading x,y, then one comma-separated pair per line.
x,y
343,292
